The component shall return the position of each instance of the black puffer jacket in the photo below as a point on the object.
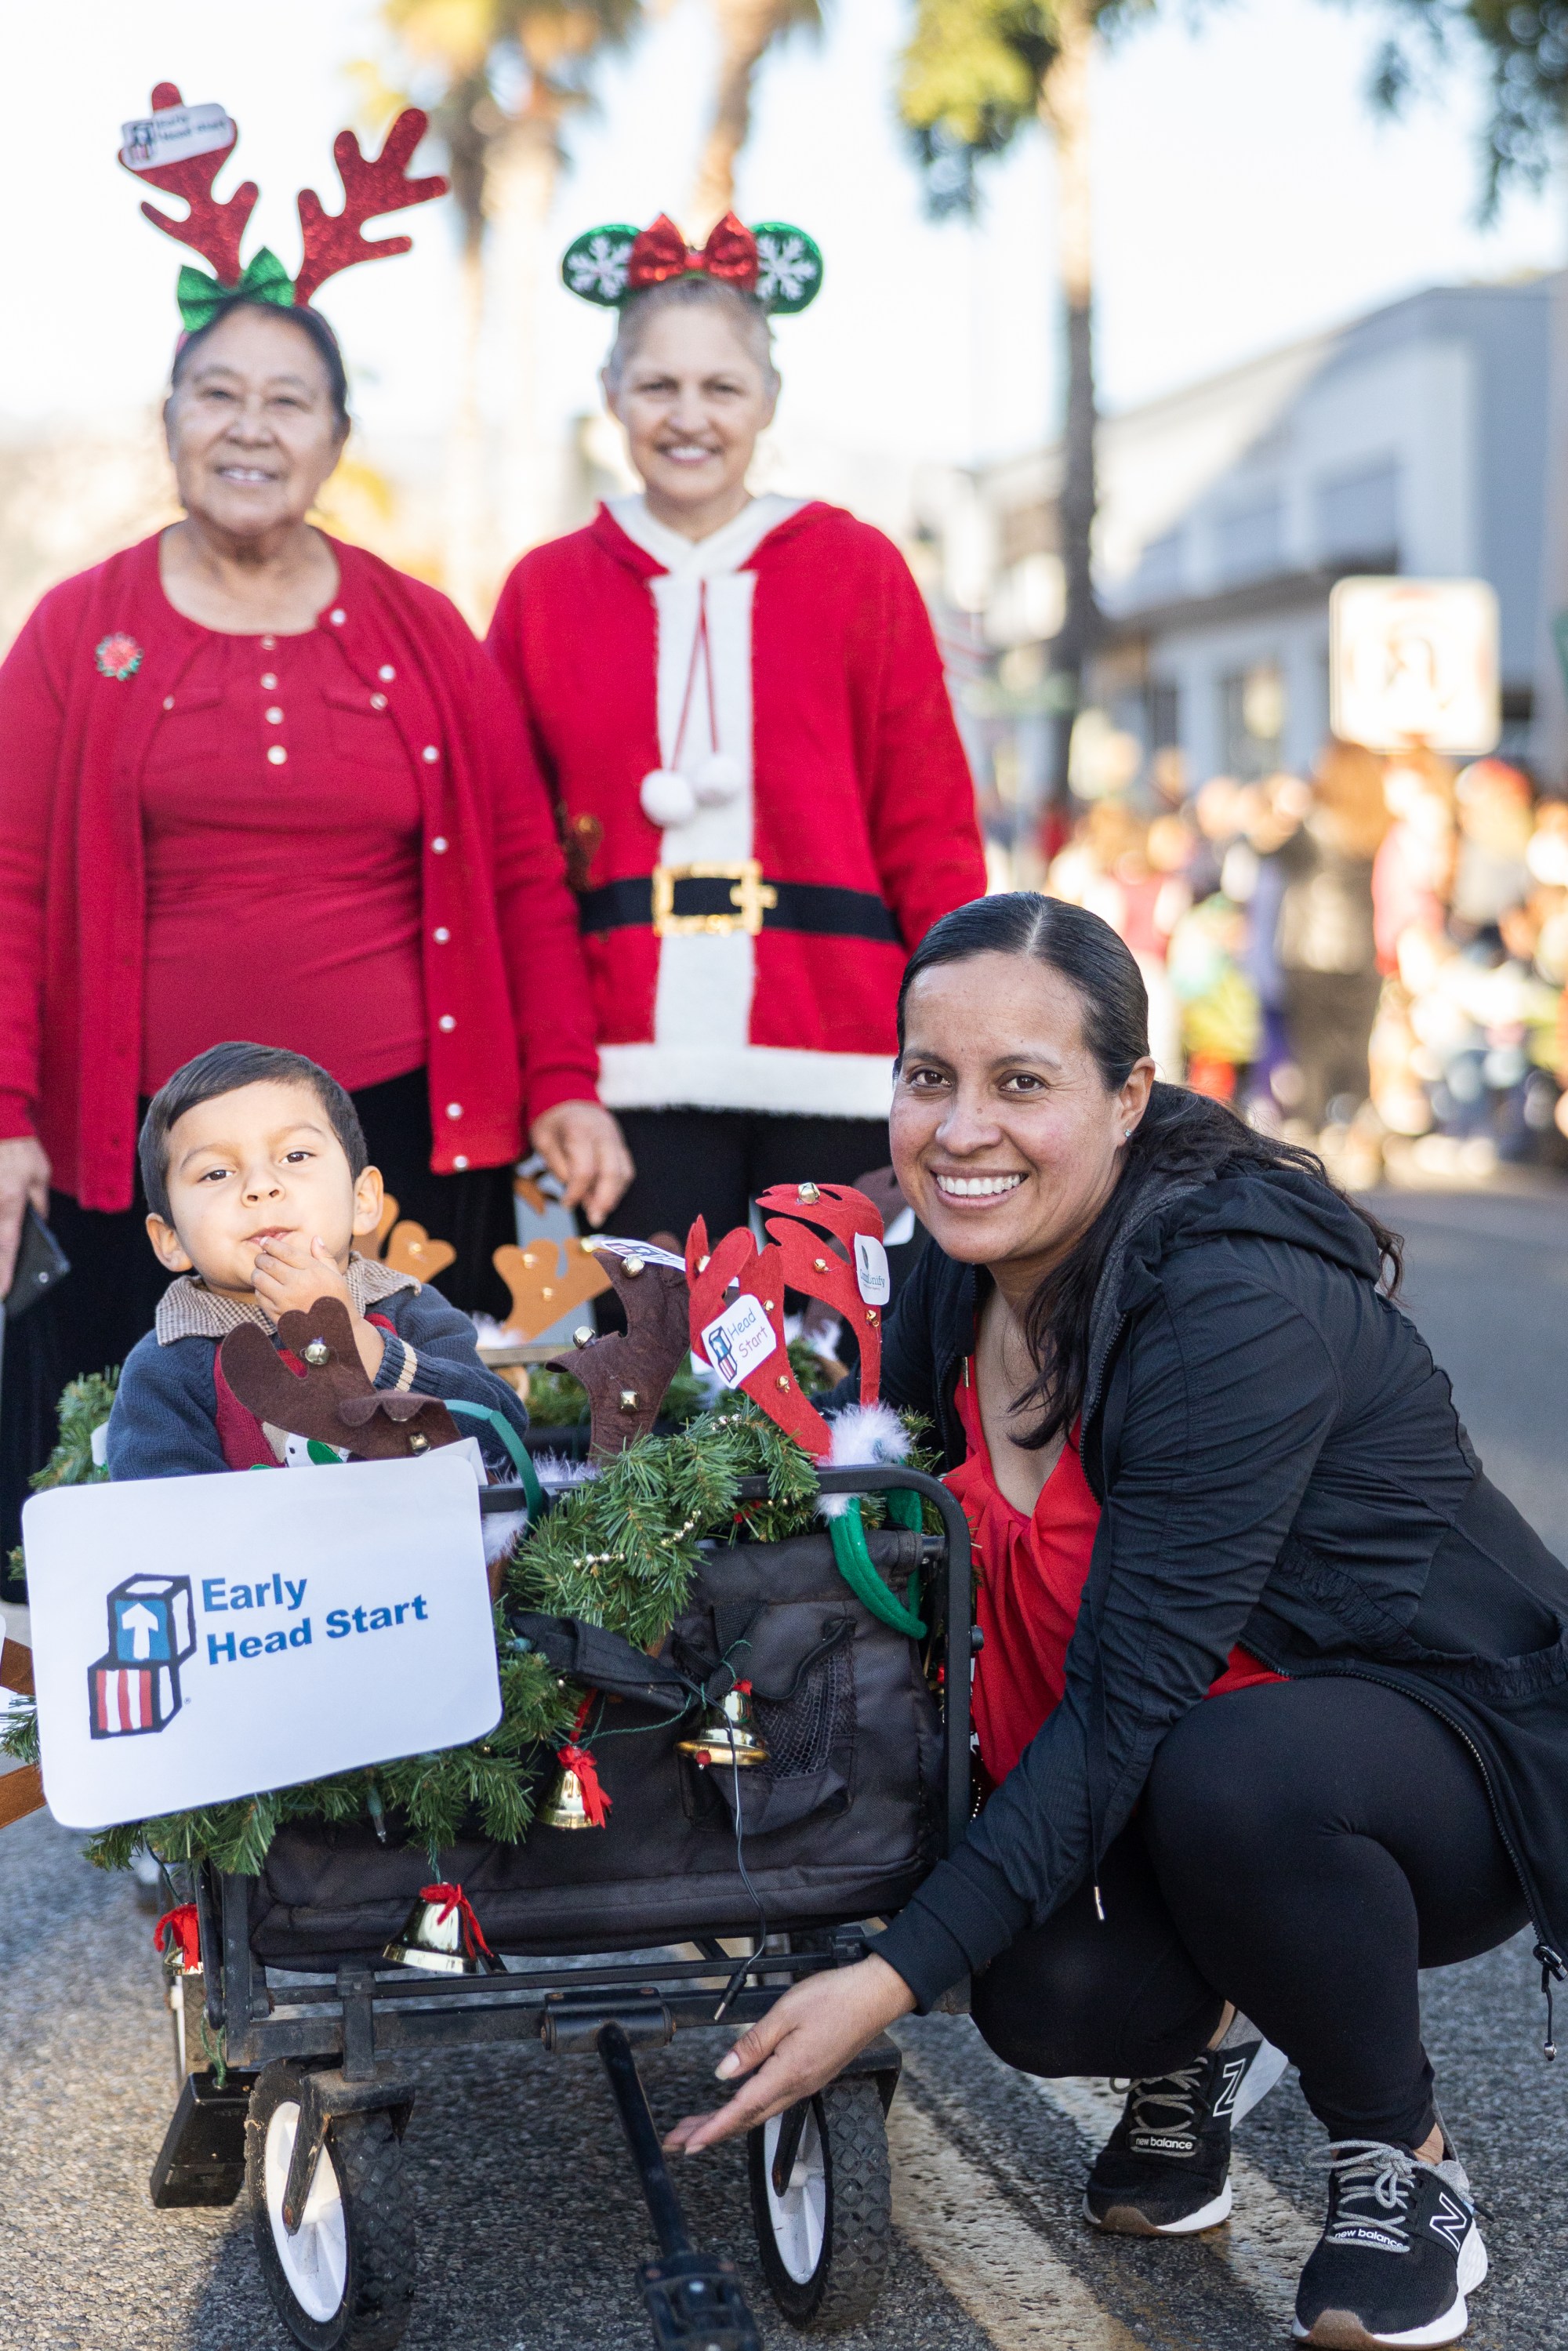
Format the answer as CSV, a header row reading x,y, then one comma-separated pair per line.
x,y
1280,1463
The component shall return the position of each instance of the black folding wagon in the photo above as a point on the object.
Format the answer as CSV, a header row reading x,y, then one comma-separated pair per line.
x,y
296,2033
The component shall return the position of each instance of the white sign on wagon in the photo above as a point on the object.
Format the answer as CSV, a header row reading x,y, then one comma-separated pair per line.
x,y
197,1638
1415,662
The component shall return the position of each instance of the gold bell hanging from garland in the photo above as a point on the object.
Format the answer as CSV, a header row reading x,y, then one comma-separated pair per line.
x,y
442,1936
566,1809
726,1733
576,1800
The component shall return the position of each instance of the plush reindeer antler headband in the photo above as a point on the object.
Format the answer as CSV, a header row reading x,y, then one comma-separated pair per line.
x,y
181,149
780,266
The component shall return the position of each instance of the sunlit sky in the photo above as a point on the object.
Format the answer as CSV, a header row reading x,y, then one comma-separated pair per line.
x,y
1245,195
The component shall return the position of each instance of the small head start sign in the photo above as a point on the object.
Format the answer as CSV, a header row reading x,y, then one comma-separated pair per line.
x,y
199,1639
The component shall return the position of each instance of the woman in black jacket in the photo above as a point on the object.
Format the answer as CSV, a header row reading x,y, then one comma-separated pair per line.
x,y
1284,1487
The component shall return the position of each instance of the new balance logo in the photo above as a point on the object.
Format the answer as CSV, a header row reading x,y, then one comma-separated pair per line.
x,y
1230,2080
1350,2233
1450,2221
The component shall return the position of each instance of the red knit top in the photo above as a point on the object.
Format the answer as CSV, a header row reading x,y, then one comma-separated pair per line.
x,y
280,820
1032,1570
85,693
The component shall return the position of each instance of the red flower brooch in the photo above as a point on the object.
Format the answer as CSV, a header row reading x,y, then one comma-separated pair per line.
x,y
119,656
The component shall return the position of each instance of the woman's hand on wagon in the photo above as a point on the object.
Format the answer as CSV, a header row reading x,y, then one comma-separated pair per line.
x,y
805,2039
584,1149
24,1181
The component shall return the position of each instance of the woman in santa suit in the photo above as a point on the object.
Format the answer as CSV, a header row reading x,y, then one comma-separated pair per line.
x,y
255,784
739,705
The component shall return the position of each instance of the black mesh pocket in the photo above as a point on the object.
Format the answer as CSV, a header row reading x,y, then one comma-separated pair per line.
x,y
801,1733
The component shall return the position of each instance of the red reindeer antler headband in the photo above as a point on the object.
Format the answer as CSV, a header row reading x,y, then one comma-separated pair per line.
x,y
181,149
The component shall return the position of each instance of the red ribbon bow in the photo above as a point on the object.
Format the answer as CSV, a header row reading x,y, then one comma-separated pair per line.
x,y
661,253
453,1898
182,1930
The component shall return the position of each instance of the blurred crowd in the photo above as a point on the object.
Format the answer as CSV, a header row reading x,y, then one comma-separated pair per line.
x,y
1371,958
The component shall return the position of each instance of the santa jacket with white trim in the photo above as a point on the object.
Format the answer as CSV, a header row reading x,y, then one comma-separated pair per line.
x,y
827,691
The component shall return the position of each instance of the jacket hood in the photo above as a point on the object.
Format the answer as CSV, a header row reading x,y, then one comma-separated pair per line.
x,y
608,534
1278,1204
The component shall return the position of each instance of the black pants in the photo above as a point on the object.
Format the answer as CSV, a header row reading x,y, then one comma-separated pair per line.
x,y
714,1163
1302,1849
1329,1016
111,1296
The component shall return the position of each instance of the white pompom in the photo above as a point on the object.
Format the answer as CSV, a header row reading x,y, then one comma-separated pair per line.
x,y
667,798
863,1433
718,778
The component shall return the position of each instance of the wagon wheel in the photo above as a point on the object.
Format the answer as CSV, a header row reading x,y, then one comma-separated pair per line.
x,y
345,2280
824,2242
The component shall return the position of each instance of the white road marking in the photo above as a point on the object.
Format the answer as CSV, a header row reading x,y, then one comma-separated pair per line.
x,y
999,2269
1266,2242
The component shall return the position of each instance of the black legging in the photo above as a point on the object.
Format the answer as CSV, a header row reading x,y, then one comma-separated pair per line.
x,y
1302,1849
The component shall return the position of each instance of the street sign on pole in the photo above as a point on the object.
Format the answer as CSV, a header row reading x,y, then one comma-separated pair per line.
x,y
1415,662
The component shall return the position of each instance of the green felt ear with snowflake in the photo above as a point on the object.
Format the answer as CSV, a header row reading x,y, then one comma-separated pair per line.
x,y
594,264
789,267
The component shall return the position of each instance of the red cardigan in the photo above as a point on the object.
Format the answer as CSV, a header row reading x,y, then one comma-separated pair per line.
x,y
860,781
501,956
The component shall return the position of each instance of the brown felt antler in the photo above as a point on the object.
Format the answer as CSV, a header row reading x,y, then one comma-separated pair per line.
x,y
331,1397
627,1372
542,1292
372,186
213,229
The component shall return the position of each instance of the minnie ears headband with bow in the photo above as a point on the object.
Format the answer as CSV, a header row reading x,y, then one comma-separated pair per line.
x,y
181,149
780,266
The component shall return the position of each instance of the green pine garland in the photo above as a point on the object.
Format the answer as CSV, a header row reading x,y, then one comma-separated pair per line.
x,y
619,1551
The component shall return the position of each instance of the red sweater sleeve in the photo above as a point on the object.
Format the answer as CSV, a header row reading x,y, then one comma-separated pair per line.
x,y
536,911
925,833
30,723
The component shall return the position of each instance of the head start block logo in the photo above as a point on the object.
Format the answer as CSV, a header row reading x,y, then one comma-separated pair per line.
x,y
151,1629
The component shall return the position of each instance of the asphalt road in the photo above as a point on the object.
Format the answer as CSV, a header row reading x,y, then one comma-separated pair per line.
x,y
530,2223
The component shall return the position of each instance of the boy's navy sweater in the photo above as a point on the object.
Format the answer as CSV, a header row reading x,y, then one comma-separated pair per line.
x,y
164,1421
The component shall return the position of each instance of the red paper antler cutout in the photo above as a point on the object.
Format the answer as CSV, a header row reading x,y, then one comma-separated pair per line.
x,y
760,1275
817,1269
370,186
213,229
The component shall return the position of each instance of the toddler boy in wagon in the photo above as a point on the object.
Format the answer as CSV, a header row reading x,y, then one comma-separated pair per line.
x,y
254,1169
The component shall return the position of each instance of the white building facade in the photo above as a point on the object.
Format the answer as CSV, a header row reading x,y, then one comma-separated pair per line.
x,y
1414,440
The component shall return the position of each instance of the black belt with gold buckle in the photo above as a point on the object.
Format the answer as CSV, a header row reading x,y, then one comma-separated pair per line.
x,y
677,901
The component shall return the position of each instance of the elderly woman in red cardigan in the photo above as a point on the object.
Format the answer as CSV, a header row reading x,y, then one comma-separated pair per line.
x,y
257,784
740,704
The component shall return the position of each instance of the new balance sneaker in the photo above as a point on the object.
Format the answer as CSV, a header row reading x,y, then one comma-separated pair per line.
x,y
1164,2172
1400,2251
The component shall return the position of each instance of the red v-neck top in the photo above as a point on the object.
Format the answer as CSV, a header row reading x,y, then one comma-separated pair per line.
x,y
1031,1572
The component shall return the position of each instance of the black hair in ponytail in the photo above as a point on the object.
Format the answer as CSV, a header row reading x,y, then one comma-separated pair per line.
x,y
1181,1137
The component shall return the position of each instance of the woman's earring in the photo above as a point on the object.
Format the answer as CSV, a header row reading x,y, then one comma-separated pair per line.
x,y
1126,1134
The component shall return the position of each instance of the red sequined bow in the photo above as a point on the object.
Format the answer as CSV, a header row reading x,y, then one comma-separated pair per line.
x,y
454,1898
661,252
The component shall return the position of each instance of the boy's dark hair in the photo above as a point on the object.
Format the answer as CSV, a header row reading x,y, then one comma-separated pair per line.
x,y
221,1070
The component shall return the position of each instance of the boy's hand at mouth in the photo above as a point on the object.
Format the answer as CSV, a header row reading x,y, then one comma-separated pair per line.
x,y
293,1271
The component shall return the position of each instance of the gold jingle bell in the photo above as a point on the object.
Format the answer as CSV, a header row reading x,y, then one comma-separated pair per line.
x,y
437,1943
566,1809
726,1733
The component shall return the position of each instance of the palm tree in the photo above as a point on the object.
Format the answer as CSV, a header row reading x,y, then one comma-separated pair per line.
x,y
746,30
975,73
499,79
